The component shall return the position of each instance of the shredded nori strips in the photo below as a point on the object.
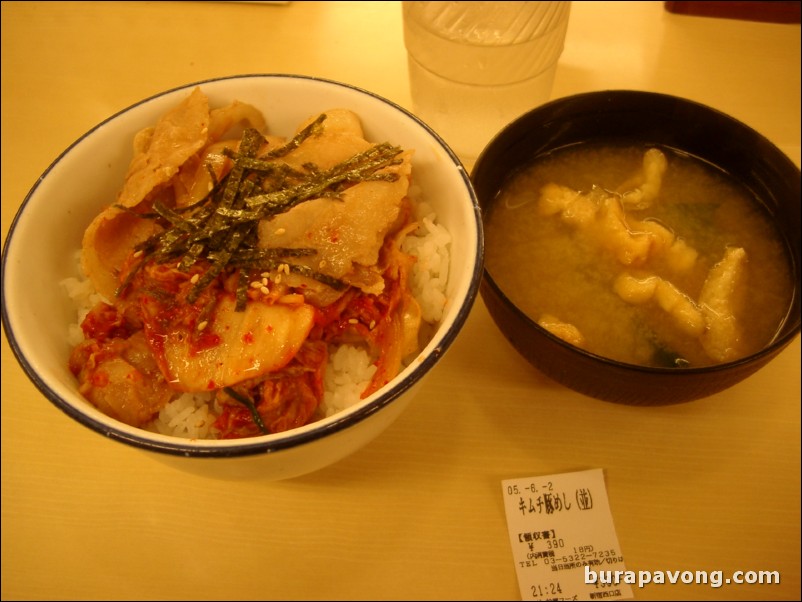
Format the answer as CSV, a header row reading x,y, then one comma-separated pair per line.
x,y
221,228
248,403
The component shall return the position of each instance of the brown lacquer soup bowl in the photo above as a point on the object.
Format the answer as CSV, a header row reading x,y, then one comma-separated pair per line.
x,y
640,248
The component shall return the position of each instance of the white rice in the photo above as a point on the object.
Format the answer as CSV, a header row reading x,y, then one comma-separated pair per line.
x,y
348,373
84,298
349,369
430,244
190,416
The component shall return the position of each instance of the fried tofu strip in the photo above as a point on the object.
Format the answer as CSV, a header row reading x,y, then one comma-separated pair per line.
x,y
642,190
683,311
719,300
567,332
602,216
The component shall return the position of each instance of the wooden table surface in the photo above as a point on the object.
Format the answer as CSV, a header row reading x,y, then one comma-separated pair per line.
x,y
418,513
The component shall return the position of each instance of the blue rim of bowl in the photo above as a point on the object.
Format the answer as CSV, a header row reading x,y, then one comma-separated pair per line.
x,y
256,445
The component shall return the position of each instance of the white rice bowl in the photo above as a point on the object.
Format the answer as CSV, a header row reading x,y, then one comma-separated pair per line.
x,y
40,323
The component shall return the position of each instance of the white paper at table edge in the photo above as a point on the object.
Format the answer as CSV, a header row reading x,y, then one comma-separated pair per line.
x,y
604,532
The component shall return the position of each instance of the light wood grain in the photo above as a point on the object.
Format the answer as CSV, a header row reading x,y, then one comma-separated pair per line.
x,y
417,514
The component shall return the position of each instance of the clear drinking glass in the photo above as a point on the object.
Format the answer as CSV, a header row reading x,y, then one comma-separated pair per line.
x,y
475,66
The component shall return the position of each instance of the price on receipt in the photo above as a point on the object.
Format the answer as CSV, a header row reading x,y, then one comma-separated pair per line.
x,y
558,525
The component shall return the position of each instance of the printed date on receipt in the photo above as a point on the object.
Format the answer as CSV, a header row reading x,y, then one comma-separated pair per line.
x,y
558,525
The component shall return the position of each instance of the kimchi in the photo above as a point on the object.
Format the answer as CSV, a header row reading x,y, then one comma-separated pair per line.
x,y
233,260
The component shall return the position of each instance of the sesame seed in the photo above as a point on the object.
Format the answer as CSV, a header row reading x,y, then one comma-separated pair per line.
x,y
265,290
372,324
256,284
138,253
195,278
278,278
353,321
264,281
280,231
203,325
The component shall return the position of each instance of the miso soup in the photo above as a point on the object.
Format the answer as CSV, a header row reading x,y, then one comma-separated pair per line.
x,y
644,255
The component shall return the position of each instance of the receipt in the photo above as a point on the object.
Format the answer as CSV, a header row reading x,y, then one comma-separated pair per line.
x,y
562,535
